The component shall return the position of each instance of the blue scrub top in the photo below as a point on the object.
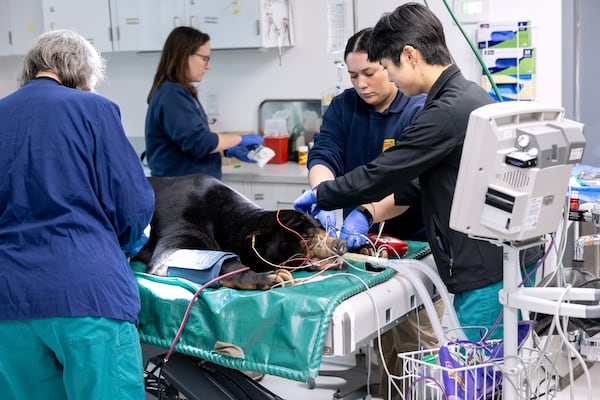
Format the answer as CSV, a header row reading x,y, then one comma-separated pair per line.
x,y
73,198
353,134
178,138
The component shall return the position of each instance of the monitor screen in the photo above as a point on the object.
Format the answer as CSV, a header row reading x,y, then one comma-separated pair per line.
x,y
514,171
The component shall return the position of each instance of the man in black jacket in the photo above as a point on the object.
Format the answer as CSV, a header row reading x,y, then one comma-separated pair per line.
x,y
411,46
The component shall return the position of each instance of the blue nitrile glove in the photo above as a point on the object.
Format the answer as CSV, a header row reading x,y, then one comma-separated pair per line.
x,y
251,141
240,152
327,219
248,143
307,202
354,230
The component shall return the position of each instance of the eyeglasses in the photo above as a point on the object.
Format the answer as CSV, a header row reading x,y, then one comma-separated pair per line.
x,y
202,56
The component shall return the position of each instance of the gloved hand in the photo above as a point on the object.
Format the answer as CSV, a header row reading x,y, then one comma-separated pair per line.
x,y
307,202
240,152
327,219
249,142
354,230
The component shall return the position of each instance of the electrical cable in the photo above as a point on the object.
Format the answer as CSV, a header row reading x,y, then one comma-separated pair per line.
x,y
421,290
377,320
189,308
433,276
571,348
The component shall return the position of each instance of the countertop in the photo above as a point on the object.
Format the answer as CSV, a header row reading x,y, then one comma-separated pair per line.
x,y
289,172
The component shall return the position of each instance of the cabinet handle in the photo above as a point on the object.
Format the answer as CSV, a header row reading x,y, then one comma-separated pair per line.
x,y
176,21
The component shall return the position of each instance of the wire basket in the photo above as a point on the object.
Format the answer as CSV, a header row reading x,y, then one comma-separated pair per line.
x,y
473,374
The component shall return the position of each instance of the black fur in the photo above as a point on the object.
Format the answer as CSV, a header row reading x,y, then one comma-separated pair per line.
x,y
201,212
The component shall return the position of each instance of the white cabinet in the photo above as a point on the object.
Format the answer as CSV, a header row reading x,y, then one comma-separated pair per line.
x,y
243,23
230,24
270,196
89,18
143,25
273,196
272,187
20,23
5,32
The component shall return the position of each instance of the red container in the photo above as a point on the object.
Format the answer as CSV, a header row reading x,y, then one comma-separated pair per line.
x,y
279,144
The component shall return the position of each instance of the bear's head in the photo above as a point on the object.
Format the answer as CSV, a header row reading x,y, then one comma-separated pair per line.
x,y
292,238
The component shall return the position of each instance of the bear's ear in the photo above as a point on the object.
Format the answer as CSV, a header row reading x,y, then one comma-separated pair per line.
x,y
297,220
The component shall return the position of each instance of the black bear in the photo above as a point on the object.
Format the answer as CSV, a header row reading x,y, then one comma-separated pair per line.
x,y
201,212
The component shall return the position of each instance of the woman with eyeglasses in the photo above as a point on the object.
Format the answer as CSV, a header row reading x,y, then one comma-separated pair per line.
x,y
179,140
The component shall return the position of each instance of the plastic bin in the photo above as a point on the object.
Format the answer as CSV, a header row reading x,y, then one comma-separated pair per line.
x,y
279,144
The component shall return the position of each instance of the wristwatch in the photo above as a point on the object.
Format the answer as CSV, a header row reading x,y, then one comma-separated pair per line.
x,y
366,213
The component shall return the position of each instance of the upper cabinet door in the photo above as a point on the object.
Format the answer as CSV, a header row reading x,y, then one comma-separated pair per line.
x,y
143,25
21,23
230,24
5,33
89,18
276,20
242,23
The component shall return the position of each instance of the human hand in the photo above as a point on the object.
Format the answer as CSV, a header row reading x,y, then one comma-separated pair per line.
x,y
251,141
240,152
327,219
307,202
354,230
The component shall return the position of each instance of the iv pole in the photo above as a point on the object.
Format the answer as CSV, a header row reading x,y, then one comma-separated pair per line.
x,y
511,269
536,299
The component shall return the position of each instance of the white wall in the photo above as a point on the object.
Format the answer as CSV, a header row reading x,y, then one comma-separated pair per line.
x,y
241,79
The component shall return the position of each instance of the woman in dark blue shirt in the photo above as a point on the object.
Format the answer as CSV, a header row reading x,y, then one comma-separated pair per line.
x,y
359,125
178,137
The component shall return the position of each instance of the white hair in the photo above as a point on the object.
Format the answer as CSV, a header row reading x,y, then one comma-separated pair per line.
x,y
68,55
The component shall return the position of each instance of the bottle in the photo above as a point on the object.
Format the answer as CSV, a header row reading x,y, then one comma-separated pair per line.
x,y
302,155
574,200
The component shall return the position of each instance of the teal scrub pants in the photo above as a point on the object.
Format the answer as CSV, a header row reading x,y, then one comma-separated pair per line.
x,y
480,308
70,358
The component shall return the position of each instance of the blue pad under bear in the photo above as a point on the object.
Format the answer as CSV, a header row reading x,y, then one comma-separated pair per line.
x,y
199,266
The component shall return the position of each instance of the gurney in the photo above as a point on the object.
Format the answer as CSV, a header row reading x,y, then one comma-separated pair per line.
x,y
283,332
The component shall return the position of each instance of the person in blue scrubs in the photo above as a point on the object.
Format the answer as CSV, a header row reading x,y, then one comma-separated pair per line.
x,y
359,124
74,203
178,136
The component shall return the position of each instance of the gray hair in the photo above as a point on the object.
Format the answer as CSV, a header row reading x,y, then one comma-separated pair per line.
x,y
68,55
